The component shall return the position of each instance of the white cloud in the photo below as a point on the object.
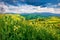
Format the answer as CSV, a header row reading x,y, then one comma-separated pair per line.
x,y
28,9
59,4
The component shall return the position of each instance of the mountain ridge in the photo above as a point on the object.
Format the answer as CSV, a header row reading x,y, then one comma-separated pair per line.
x,y
43,14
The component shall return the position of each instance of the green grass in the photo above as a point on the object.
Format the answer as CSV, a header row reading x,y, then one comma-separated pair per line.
x,y
15,27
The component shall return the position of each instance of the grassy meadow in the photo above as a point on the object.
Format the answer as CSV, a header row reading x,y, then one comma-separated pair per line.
x,y
18,27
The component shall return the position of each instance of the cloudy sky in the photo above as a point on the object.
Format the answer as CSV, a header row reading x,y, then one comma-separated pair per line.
x,y
29,6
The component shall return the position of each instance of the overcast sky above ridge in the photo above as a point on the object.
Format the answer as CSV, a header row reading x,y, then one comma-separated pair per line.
x,y
30,6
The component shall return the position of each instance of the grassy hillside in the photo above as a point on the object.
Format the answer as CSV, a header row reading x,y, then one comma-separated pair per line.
x,y
16,27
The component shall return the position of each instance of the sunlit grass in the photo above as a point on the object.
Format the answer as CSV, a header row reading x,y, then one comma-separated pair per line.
x,y
15,27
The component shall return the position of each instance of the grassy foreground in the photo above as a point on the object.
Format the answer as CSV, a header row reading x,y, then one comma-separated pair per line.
x,y
16,27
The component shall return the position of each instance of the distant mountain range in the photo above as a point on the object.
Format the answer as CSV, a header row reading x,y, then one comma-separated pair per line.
x,y
41,14
38,15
